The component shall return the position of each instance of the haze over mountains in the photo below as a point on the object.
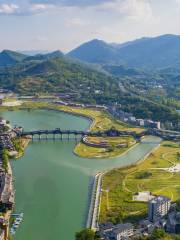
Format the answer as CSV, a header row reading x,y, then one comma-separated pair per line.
x,y
158,52
146,53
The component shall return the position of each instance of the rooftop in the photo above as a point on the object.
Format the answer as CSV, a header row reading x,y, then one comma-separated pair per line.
x,y
160,199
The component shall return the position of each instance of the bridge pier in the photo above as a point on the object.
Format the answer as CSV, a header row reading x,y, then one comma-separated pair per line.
x,y
76,137
54,136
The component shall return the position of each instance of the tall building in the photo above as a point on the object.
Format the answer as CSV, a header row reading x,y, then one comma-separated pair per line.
x,y
123,231
173,223
158,207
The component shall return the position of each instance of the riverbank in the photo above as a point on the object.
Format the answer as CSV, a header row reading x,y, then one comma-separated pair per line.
x,y
107,148
96,196
126,182
21,144
101,121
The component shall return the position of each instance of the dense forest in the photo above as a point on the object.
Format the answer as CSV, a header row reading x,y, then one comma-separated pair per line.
x,y
146,95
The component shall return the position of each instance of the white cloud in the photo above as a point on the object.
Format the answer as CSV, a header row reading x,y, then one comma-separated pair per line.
x,y
38,8
133,9
8,9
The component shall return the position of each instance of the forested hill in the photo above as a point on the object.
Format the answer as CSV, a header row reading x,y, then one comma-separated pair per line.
x,y
157,52
58,74
8,57
52,74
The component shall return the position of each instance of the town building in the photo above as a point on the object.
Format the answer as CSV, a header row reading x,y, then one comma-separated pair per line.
x,y
143,196
123,231
140,122
2,121
116,111
173,223
109,231
146,226
6,191
158,208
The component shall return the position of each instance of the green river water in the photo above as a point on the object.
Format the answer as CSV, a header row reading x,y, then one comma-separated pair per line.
x,y
52,183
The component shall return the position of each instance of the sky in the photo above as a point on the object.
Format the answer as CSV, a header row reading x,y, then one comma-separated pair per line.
x,y
65,24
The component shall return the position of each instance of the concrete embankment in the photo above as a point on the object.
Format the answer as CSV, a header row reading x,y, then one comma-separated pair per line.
x,y
94,210
92,220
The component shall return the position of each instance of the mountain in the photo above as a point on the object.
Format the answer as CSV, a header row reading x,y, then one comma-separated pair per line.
x,y
121,45
40,57
81,83
33,52
55,74
147,53
158,52
8,57
95,51
120,70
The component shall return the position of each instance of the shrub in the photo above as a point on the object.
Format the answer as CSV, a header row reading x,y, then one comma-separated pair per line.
x,y
142,175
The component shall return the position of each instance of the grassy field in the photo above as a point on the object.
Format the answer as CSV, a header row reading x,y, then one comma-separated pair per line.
x,y
147,176
111,150
111,141
101,121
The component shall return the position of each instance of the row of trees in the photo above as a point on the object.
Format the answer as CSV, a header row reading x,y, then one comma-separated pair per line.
x,y
5,159
87,234
158,234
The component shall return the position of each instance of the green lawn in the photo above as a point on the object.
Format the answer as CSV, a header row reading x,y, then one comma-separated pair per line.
x,y
124,183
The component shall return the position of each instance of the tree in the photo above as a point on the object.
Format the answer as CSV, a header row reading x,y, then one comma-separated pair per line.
x,y
85,234
178,205
5,160
157,234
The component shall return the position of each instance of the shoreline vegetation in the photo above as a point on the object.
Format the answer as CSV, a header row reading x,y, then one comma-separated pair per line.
x,y
100,120
124,183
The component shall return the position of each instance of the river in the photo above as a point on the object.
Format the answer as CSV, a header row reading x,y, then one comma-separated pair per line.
x,y
51,182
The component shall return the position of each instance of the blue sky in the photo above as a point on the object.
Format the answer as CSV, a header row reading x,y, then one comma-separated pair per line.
x,y
64,24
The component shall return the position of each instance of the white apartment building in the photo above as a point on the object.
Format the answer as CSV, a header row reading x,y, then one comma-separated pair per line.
x,y
158,207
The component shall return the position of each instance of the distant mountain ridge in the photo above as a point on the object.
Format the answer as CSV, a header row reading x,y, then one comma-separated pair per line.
x,y
147,53
8,57
156,52
46,56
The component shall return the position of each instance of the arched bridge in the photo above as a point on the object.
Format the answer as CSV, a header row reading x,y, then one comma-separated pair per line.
x,y
166,135
58,131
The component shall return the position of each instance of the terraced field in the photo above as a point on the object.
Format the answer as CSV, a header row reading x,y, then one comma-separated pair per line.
x,y
151,175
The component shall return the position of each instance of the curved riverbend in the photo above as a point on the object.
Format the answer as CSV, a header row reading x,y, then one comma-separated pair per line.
x,y
52,183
